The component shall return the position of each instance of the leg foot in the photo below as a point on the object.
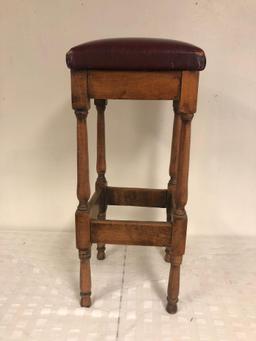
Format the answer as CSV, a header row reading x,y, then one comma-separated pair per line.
x,y
171,308
101,251
85,300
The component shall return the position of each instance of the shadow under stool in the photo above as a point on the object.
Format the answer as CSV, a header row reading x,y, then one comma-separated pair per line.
x,y
139,69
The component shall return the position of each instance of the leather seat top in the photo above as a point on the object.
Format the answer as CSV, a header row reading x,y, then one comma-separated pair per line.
x,y
136,54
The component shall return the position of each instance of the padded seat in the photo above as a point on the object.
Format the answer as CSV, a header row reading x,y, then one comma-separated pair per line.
x,y
141,54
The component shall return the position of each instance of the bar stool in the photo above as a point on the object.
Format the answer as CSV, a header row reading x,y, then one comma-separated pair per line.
x,y
141,69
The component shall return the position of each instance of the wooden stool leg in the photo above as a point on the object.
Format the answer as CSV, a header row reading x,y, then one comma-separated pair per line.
x,y
81,105
82,215
185,108
179,217
173,170
179,224
101,181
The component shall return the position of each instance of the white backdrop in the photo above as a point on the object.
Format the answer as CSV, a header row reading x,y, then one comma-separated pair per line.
x,y
37,126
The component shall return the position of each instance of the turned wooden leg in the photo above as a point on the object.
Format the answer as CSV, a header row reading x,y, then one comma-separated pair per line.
x,y
82,215
173,285
173,168
184,112
101,181
81,105
179,223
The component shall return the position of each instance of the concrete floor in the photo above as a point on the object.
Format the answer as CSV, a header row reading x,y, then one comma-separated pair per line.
x,y
39,292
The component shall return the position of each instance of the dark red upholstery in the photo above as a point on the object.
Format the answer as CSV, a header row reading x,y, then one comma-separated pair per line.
x,y
136,54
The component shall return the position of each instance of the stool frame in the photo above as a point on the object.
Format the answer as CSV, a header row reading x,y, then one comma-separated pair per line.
x,y
91,223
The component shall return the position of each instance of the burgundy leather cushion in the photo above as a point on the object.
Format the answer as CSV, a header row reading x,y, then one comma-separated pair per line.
x,y
136,54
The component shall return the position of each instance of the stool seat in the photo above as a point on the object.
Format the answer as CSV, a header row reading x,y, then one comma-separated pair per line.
x,y
138,54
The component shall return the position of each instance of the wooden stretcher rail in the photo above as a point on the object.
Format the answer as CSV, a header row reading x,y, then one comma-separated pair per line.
x,y
125,196
125,232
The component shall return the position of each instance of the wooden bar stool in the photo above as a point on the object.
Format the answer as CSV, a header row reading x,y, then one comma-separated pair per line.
x,y
141,69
